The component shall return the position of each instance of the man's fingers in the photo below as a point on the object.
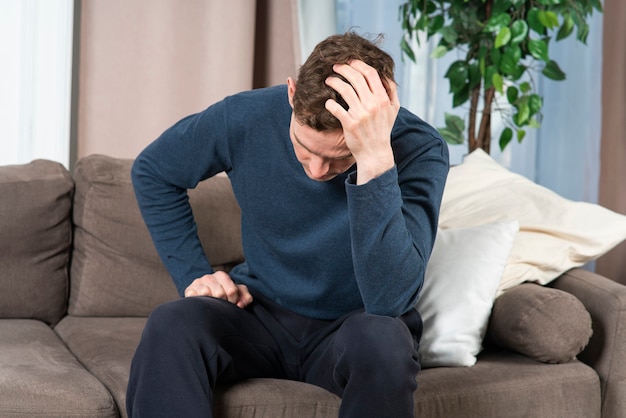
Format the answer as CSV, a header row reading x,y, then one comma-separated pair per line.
x,y
189,292
245,298
219,285
336,109
392,91
226,289
344,89
197,289
364,78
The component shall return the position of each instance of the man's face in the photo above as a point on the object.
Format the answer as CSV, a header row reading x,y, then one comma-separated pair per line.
x,y
323,155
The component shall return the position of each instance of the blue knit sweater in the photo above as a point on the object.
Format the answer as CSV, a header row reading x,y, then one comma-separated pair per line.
x,y
320,249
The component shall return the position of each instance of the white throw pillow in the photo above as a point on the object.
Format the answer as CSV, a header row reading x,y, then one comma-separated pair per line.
x,y
556,234
460,284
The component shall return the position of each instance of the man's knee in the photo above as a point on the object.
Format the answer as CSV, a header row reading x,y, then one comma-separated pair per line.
x,y
180,319
378,342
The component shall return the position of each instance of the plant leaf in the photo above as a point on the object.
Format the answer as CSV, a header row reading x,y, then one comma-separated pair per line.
x,y
449,34
566,28
597,5
501,6
497,82
548,18
508,65
553,71
474,75
489,72
498,21
451,137
505,138
454,123
439,51
523,114
511,94
460,97
435,24
535,102
407,50
519,31
533,21
496,56
539,49
457,74
525,87
503,37
514,52
582,32
549,2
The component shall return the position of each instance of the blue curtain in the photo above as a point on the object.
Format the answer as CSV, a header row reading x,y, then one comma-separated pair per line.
x,y
562,155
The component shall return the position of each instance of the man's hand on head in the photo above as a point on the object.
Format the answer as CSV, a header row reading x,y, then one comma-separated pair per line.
x,y
220,285
367,124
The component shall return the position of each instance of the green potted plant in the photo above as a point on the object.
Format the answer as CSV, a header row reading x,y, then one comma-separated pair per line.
x,y
502,45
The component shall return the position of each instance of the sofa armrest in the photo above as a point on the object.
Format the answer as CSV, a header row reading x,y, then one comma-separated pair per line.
x,y
605,300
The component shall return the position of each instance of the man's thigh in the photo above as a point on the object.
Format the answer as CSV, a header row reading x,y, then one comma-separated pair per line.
x,y
364,340
233,343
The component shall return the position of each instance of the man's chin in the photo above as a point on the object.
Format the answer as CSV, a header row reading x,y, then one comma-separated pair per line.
x,y
323,178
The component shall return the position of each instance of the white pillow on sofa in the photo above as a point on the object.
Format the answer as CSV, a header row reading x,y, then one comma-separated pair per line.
x,y
556,234
460,284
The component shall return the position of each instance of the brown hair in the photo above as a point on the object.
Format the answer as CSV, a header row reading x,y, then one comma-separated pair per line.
x,y
311,92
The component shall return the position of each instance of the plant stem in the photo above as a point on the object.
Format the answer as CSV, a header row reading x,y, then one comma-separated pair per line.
x,y
484,134
471,130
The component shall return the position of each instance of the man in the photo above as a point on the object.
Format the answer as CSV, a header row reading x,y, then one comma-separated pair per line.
x,y
339,190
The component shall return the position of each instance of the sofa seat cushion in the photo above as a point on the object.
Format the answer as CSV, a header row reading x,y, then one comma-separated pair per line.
x,y
40,377
105,346
275,398
502,384
507,384
499,385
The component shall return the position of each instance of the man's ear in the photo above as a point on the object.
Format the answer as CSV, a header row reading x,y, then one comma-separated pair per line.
x,y
291,89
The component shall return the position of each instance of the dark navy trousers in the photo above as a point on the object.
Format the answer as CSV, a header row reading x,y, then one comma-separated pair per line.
x,y
191,344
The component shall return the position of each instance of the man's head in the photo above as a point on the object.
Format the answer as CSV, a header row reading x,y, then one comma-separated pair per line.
x,y
316,134
311,94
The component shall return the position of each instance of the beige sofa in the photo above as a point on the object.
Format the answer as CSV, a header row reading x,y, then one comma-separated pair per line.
x,y
79,275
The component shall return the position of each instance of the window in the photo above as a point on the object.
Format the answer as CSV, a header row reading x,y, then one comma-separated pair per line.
x,y
35,80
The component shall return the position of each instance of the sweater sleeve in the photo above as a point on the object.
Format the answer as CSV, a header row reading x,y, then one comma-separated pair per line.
x,y
192,150
393,223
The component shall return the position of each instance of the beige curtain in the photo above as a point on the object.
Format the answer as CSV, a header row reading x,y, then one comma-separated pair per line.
x,y
613,147
144,64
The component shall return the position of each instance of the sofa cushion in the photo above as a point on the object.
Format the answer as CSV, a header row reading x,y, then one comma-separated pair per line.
x,y
275,398
556,234
459,288
35,227
40,377
507,384
545,324
499,385
115,268
105,346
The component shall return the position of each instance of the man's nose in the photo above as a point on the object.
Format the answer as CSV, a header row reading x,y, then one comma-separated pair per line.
x,y
318,167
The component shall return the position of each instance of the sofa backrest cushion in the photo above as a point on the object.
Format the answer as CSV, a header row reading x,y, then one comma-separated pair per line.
x,y
35,240
115,268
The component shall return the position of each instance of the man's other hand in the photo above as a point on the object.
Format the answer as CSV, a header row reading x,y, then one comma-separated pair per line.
x,y
220,285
